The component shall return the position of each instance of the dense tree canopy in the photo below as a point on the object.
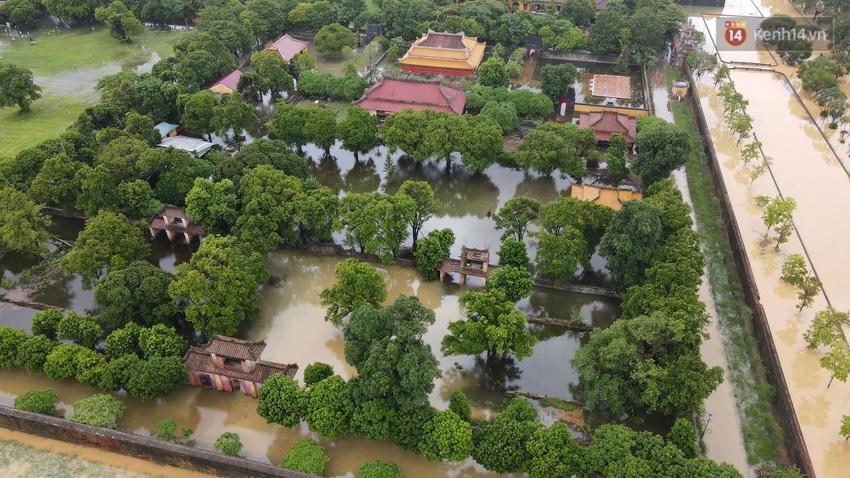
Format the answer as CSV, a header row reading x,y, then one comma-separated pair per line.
x,y
17,87
22,225
358,284
138,293
662,147
99,410
121,22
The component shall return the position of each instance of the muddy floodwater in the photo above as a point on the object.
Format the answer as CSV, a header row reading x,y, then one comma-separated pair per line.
x,y
291,320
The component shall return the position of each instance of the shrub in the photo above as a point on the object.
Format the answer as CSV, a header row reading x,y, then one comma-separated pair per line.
x,y
306,456
316,372
37,401
166,429
379,469
100,410
229,444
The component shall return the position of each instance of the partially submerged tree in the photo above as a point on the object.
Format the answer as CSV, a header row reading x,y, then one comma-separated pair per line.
x,y
138,293
306,456
515,216
358,284
99,410
37,401
22,225
229,444
431,250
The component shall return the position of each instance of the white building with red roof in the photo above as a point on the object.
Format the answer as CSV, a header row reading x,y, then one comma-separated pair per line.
x,y
390,95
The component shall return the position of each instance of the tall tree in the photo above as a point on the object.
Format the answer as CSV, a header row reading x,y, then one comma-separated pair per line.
x,y
515,216
18,87
431,250
121,22
107,243
447,437
22,225
358,131
213,205
358,284
331,39
492,325
138,293
268,208
280,400
231,117
423,197
493,73
217,288
662,147
556,80
630,241
273,70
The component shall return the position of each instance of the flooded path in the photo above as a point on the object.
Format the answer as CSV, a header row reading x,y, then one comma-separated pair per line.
x,y
723,437
804,168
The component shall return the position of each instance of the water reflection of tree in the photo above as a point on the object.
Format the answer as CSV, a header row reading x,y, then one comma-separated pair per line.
x,y
460,192
362,177
541,188
327,171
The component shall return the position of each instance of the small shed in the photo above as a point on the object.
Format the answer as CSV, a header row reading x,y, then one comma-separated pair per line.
x,y
374,30
681,88
194,146
166,130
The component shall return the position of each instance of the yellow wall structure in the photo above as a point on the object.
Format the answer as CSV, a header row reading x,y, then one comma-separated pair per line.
x,y
221,89
588,108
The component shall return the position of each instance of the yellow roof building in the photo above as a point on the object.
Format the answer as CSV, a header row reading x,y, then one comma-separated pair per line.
x,y
436,53
606,196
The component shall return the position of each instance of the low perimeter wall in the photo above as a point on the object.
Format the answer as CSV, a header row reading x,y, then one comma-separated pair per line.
x,y
145,448
783,405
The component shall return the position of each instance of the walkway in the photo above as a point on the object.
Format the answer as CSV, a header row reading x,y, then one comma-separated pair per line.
x,y
723,436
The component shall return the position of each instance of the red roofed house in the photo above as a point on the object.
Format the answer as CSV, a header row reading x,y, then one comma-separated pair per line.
x,y
390,95
227,84
288,47
604,123
435,53
229,364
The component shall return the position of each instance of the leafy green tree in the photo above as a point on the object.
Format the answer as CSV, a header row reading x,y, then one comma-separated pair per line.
x,y
18,87
393,362
81,329
553,452
503,113
56,183
251,86
281,401
320,128
665,372
232,117
107,243
46,323
316,208
845,426
557,79
33,352
358,284
89,366
198,113
616,158
121,22
684,437
559,256
379,469
779,214
550,147
578,12
459,404
22,225
502,445
482,143
662,147
493,73
161,341
447,437
123,341
116,373
331,39
514,282
229,444
371,419
827,328
795,270
513,253
138,293
10,341
329,408
136,199
155,377
99,410
515,216
217,288
425,205
287,125
21,13
837,362
37,401
61,363
358,131
166,429
630,241
431,250
316,372
810,289
213,205
268,208
492,325
306,456
273,70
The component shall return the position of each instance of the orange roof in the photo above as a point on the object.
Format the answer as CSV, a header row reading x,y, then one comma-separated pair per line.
x,y
611,86
288,47
445,50
605,196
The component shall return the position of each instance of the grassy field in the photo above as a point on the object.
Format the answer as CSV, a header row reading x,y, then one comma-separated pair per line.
x,y
762,437
67,65
57,50
17,460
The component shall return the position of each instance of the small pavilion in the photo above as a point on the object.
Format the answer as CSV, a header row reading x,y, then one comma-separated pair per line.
x,y
177,225
473,262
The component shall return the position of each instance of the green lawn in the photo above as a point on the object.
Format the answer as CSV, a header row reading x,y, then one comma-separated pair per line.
x,y
762,436
67,65
57,50
49,116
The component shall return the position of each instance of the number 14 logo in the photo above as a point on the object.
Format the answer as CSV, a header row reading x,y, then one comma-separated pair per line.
x,y
735,33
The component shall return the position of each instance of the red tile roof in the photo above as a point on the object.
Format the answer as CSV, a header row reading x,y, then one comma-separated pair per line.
x,y
197,360
444,40
233,348
288,47
230,80
391,95
606,122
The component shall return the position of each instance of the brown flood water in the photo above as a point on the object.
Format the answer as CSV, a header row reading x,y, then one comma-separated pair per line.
x,y
804,169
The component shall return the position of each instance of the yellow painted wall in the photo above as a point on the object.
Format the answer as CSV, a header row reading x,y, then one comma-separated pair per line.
x,y
221,89
585,108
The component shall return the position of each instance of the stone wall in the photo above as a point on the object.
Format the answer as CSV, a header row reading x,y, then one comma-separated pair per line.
x,y
783,406
165,453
